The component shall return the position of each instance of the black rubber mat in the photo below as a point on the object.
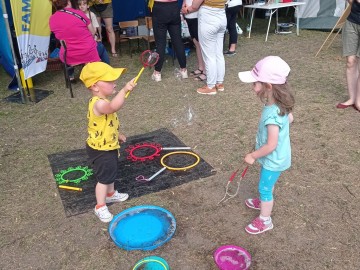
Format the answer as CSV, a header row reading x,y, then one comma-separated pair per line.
x,y
34,95
76,202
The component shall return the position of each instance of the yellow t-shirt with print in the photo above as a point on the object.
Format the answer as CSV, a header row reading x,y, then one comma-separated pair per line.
x,y
103,130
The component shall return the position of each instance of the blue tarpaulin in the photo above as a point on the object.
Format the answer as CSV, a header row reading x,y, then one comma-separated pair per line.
x,y
128,10
6,58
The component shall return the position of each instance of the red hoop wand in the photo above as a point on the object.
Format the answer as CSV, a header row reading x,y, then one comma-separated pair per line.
x,y
148,59
238,184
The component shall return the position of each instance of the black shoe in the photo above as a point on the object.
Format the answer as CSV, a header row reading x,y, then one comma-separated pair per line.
x,y
229,53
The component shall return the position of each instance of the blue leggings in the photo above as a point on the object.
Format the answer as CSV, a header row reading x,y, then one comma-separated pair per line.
x,y
267,182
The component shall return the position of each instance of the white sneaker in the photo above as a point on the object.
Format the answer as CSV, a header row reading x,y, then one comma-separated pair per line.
x,y
103,214
184,74
117,197
156,77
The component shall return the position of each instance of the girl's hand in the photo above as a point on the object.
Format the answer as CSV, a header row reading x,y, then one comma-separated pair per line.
x,y
291,118
130,85
249,159
122,138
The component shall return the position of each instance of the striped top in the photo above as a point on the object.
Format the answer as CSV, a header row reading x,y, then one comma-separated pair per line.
x,y
215,3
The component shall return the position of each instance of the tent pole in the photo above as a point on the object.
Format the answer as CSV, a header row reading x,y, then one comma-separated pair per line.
x,y
16,68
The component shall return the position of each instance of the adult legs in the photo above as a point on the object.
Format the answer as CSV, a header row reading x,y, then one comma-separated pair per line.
x,y
351,49
220,61
353,80
207,42
110,31
200,60
176,41
212,24
231,16
160,30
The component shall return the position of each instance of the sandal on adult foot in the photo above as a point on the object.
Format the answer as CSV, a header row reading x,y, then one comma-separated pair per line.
x,y
115,55
200,78
196,72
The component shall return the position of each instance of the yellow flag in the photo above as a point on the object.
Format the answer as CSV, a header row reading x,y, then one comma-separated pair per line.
x,y
31,21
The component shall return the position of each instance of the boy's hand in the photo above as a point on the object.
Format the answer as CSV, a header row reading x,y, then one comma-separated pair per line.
x,y
249,159
122,138
130,85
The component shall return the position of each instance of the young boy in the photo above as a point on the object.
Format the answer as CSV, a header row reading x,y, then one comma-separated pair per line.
x,y
102,144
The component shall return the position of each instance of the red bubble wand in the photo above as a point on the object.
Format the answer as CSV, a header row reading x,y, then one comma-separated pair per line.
x,y
148,58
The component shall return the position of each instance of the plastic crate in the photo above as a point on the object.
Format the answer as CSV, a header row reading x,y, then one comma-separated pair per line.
x,y
54,64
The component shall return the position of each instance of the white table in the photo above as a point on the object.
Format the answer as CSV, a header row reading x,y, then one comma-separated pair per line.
x,y
274,9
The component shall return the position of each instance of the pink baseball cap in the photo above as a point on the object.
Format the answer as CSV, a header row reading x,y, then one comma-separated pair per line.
x,y
271,69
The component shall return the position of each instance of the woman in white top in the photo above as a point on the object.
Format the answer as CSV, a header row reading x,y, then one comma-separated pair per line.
x,y
192,22
232,10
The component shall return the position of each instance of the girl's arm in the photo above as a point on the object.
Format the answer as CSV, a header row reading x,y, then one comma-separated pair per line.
x,y
105,107
91,29
291,118
272,141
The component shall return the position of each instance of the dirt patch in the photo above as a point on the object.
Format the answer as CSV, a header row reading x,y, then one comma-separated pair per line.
x,y
315,215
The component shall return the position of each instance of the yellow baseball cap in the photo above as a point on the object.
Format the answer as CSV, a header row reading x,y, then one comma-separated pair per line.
x,y
99,71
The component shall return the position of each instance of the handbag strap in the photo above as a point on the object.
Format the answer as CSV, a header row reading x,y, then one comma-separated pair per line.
x,y
74,14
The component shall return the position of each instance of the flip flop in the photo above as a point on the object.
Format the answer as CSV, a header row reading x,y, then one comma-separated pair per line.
x,y
196,72
200,78
115,55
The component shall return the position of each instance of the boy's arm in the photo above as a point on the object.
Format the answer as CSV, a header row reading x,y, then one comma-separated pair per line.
x,y
105,107
272,141
122,137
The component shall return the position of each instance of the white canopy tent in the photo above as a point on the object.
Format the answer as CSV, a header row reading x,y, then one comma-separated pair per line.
x,y
320,14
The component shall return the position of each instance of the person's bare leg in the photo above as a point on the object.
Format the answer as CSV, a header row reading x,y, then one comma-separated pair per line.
x,y
232,47
352,78
100,193
110,31
266,208
110,188
357,90
200,60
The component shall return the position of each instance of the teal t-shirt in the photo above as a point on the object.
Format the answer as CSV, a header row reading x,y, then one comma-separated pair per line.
x,y
280,158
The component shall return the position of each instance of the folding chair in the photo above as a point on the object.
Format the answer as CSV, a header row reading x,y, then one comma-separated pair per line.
x,y
128,25
149,38
66,69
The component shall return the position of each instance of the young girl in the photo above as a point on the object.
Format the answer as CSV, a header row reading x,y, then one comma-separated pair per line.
x,y
102,144
84,7
273,150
